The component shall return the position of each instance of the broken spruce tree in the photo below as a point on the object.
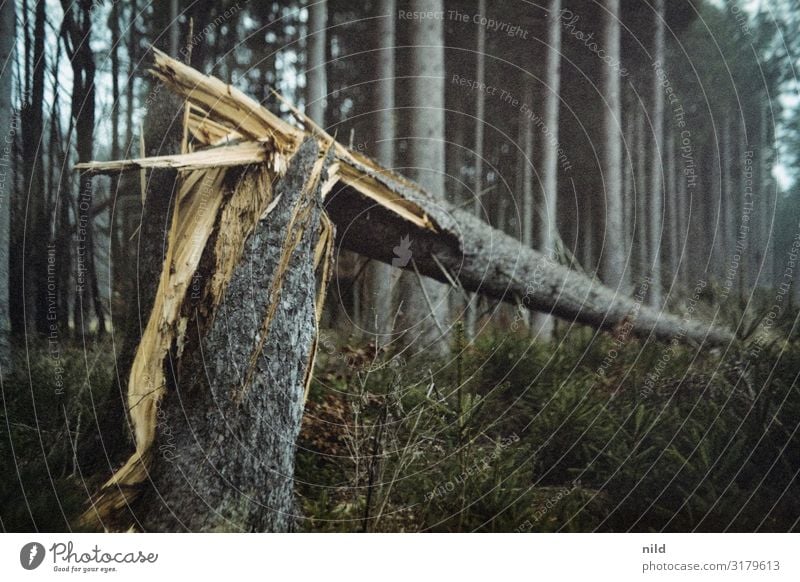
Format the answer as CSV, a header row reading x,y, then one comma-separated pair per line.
x,y
216,387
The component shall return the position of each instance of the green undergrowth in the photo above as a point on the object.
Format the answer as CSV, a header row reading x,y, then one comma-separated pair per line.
x,y
50,401
585,433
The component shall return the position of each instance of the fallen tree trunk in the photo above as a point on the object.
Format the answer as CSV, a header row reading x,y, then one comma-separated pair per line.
x,y
373,208
465,251
218,377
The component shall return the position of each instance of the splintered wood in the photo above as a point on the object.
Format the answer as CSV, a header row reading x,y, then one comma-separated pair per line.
x,y
212,207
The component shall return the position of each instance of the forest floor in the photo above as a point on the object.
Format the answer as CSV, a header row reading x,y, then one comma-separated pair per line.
x,y
579,434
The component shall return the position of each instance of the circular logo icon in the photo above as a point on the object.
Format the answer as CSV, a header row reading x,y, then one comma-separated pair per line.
x,y
31,555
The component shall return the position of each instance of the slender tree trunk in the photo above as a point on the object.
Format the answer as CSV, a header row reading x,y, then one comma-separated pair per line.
x,y
745,207
174,28
145,247
728,194
525,179
83,111
525,172
116,233
589,230
425,303
766,201
629,177
614,247
640,229
7,122
716,204
656,207
317,87
36,235
130,81
378,304
548,230
684,228
480,113
672,205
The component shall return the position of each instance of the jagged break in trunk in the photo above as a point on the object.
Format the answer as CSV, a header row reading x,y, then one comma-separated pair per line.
x,y
224,456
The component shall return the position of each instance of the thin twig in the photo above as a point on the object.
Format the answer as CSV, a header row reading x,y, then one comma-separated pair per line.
x,y
427,299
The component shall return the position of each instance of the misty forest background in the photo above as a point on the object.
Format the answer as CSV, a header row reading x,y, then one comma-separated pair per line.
x,y
649,144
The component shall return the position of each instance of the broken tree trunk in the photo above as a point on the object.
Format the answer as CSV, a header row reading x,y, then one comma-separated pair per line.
x,y
215,390
231,413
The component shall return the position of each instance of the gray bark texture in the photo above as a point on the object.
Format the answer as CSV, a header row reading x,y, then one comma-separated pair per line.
x,y
425,303
656,226
227,428
378,305
317,80
548,232
613,252
7,15
480,113
469,253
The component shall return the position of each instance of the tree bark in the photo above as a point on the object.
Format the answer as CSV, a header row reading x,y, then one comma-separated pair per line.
x,y
640,228
378,305
671,218
766,203
317,83
232,411
7,127
424,308
613,253
36,236
480,113
174,28
684,227
548,231
656,206
78,23
481,259
525,182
